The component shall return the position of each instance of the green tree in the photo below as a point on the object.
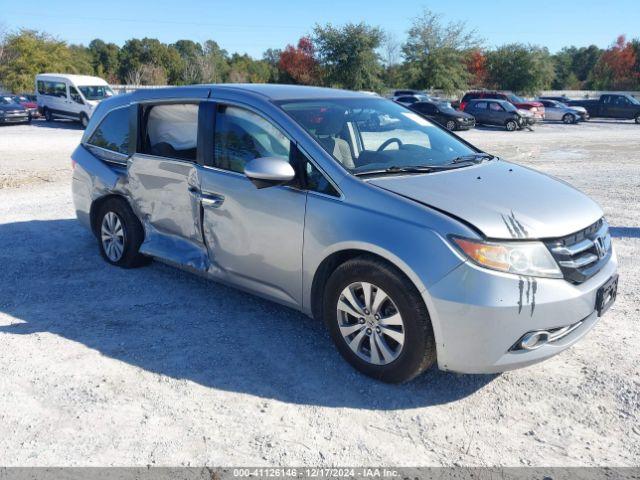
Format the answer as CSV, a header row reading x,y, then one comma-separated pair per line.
x,y
435,53
215,63
348,55
522,68
28,53
152,55
104,59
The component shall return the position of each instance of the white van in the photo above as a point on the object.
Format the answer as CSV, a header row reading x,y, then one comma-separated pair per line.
x,y
72,97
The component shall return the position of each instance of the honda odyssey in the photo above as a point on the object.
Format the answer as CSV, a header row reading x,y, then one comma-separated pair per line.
x,y
413,246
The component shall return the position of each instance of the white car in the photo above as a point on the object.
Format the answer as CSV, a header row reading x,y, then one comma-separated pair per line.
x,y
73,97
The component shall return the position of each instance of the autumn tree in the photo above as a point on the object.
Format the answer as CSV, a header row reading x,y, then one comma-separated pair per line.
x,y
299,63
616,68
476,64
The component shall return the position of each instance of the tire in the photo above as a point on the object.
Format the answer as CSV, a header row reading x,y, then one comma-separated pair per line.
x,y
511,125
402,361
48,116
113,212
84,120
638,119
568,119
450,125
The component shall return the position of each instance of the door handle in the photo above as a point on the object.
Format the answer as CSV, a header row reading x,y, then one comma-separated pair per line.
x,y
207,199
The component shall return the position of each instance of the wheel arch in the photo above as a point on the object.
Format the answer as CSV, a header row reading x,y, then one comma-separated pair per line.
x,y
95,208
336,258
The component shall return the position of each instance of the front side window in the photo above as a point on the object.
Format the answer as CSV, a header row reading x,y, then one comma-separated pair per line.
x,y
96,92
172,131
367,134
496,107
241,136
113,132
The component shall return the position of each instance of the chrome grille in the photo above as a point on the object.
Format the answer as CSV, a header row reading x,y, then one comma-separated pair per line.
x,y
582,254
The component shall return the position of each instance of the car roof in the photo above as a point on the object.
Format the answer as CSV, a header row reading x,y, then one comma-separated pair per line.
x,y
77,79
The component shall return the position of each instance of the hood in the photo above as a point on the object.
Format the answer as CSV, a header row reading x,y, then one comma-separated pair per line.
x,y
529,104
525,113
11,107
578,109
501,199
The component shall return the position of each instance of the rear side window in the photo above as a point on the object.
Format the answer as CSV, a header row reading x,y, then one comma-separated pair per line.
x,y
113,132
470,96
172,131
480,105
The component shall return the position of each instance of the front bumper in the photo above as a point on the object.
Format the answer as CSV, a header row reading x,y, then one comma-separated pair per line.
x,y
478,315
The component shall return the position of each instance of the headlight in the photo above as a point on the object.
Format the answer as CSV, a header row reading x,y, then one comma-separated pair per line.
x,y
529,258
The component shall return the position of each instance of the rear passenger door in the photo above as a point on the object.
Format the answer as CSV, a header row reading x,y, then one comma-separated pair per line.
x,y
254,236
163,181
481,113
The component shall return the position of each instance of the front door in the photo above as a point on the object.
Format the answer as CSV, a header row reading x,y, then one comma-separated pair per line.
x,y
254,236
163,180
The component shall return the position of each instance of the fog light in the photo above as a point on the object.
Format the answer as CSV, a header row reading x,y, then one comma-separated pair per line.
x,y
533,340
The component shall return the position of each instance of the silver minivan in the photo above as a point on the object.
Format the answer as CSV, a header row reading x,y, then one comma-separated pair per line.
x,y
413,246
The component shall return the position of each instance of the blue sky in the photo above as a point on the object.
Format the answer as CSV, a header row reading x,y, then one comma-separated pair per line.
x,y
252,26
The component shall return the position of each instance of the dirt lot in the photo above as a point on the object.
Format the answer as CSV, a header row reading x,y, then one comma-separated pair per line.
x,y
101,366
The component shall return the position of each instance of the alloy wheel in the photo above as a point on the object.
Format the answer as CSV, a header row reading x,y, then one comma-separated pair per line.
x,y
451,125
370,323
112,236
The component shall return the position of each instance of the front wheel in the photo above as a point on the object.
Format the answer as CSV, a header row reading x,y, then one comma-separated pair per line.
x,y
568,118
84,120
450,125
511,126
638,119
48,116
378,321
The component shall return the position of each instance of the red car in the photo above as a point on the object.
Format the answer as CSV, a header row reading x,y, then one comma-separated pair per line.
x,y
536,108
30,104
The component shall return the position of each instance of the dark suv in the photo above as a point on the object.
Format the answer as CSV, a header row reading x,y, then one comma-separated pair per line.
x,y
536,108
498,113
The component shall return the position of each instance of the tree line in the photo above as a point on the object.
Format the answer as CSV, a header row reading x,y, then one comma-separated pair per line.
x,y
435,54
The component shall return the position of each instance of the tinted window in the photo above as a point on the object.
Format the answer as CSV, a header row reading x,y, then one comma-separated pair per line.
x,y
317,182
470,96
242,136
480,105
113,132
172,131
496,107
425,108
407,99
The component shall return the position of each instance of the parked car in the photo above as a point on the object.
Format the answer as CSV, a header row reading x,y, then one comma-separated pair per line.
x,y
411,99
622,106
560,112
12,112
412,245
535,107
72,97
31,106
408,91
498,113
445,115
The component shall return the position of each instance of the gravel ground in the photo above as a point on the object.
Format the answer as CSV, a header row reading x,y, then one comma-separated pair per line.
x,y
101,366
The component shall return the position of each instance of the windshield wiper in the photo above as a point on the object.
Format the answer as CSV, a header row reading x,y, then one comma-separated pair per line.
x,y
473,158
411,169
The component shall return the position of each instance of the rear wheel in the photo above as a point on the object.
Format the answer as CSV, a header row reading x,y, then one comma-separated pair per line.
x,y
451,125
120,234
48,116
84,120
568,118
511,125
378,321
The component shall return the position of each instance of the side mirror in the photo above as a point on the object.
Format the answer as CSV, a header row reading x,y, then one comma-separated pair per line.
x,y
269,171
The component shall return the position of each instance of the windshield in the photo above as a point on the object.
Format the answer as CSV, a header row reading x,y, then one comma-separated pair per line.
x,y
633,100
97,92
375,134
515,99
6,100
